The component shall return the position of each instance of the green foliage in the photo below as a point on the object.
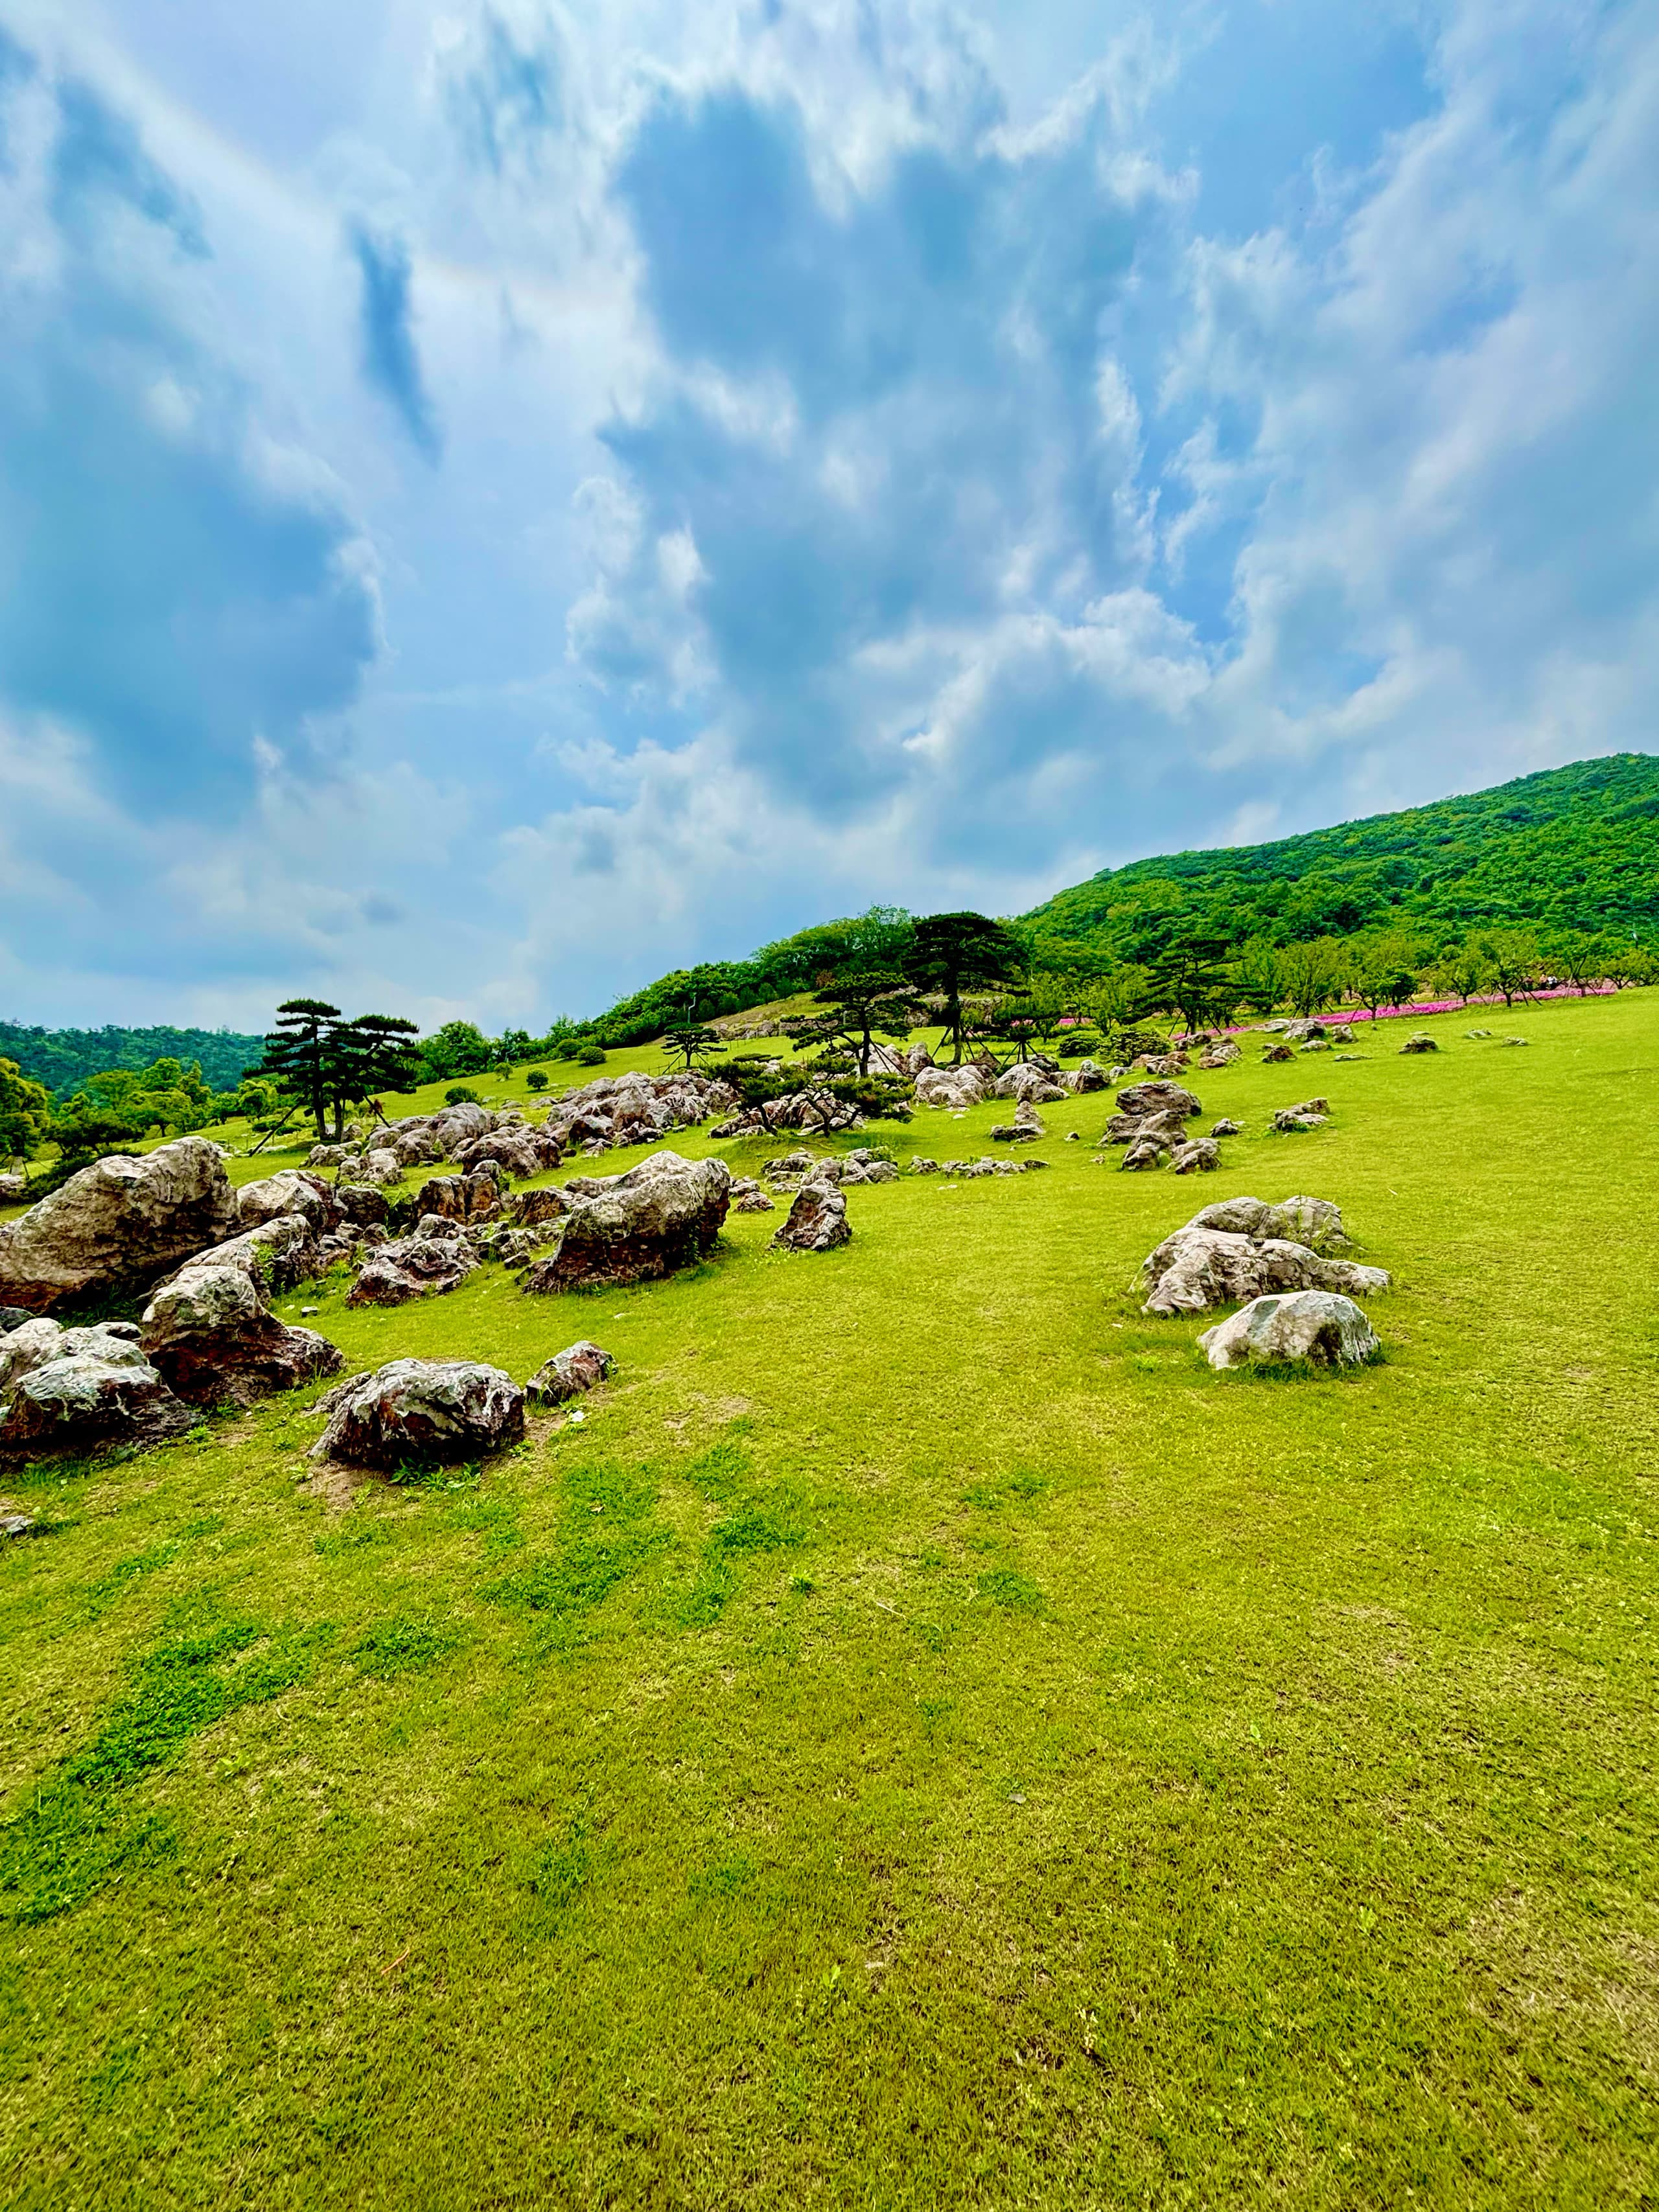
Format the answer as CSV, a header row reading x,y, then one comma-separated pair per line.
x,y
457,1049
65,1059
537,1079
951,953
327,1063
1574,849
460,1094
591,1055
25,1109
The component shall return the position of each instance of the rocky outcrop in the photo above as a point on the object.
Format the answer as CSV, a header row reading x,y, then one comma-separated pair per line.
x,y
1275,1053
1197,1269
818,1220
1226,1128
754,1201
1026,1126
437,1258
1036,1080
922,1165
362,1202
637,1108
278,1255
955,1087
662,1214
73,1389
414,1411
1318,1329
120,1223
568,1374
475,1196
516,1149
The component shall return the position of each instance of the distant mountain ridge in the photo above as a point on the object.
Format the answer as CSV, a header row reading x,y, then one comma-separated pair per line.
x,y
1574,847
62,1058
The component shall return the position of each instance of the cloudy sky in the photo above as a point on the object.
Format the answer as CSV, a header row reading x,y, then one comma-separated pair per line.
x,y
499,498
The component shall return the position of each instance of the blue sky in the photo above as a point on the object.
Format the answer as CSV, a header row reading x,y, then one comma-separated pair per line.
x,y
498,499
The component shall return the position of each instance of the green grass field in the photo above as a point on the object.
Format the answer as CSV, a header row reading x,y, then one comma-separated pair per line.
x,y
923,1740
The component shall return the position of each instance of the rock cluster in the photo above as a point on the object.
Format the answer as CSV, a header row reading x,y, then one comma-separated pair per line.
x,y
637,1109
1202,1266
438,1257
1025,1127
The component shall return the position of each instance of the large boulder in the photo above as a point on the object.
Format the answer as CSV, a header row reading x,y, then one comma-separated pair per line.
x,y
437,1258
1140,1099
516,1149
475,1196
957,1087
1313,1222
1197,1269
1221,1052
14,1190
291,1190
1032,1079
532,1209
210,1336
64,1389
278,1255
1311,1114
1318,1329
664,1213
568,1374
817,1221
414,1411
121,1222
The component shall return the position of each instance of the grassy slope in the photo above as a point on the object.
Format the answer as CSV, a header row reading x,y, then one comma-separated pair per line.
x,y
924,1739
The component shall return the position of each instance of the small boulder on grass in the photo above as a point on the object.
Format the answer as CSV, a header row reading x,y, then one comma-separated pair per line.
x,y
1198,1156
818,1220
1419,1043
418,1410
568,1374
1312,1329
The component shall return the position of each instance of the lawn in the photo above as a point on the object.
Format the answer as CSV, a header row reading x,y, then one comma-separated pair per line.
x,y
922,1740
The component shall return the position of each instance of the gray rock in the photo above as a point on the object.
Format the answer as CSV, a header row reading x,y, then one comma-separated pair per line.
x,y
1513,1041
1148,1151
1198,1156
213,1340
427,1265
1141,1099
516,1149
568,1374
1226,1128
1197,1269
1318,1329
289,1191
79,1400
534,1209
13,1317
278,1255
475,1196
1311,1114
121,1222
921,1165
362,1201
14,1190
1313,1222
19,1524
816,1222
754,1201
414,1411
1275,1053
1419,1043
664,1213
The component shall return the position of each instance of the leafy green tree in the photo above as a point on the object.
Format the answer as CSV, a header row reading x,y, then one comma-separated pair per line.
x,y
1116,997
457,1049
327,1063
1582,957
1193,979
24,1113
1512,962
537,1079
691,1041
1313,975
1463,973
1382,971
1261,976
951,953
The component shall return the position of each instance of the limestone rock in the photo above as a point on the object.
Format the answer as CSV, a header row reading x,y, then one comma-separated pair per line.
x,y
516,1149
568,1374
213,1340
1198,1156
1222,1052
1276,1052
534,1209
84,1398
360,1201
921,1165
1141,1099
1148,1151
818,1220
1513,1041
1420,1042
664,1213
1226,1128
474,1196
120,1221
278,1255
1197,1269
1313,1222
437,1258
414,1411
292,1190
958,1087
1319,1328
14,1190
753,1201
40,1340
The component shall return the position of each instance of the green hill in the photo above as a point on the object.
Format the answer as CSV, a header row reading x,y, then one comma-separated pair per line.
x,y
1574,847
62,1058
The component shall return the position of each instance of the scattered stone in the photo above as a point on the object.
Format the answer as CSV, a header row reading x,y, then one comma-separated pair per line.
x,y
1088,1075
568,1374
1313,1222
1034,1081
1318,1329
754,1201
14,1190
361,1202
1025,1129
1074,1136
1275,1053
13,1317
19,1524
1513,1041
417,1411
1197,1269
1148,1151
1419,1041
97,1389
1313,1044
664,1213
1477,1033
122,1221
955,1087
532,1209
516,1149
921,1165
1222,1052
1140,1099
818,1220
290,1191
1226,1128
278,1255
1198,1156
1290,1119
1347,1056
437,1258
474,1196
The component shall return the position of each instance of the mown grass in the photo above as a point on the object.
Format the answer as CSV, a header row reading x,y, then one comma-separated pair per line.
x,y
923,1740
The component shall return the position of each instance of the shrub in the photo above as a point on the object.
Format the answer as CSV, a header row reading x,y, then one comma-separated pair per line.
x,y
537,1079
1076,1044
461,1094
591,1055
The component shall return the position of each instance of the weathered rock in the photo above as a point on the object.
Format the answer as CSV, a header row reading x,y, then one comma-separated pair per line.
x,y
13,1317
437,1258
1221,1053
1226,1128
1088,1075
1029,1078
1198,1156
818,1220
1318,1329
382,1168
327,1156
1197,1269
122,1221
211,1337
1140,1099
1023,1129
40,1340
291,1190
921,1165
1508,1040
963,1086
1148,1151
662,1214
1477,1033
518,1150
14,1190
1275,1053
568,1374
1420,1043
361,1202
532,1209
475,1196
1159,1063
278,1255
1313,1222
413,1411
753,1201
1311,1114
80,1400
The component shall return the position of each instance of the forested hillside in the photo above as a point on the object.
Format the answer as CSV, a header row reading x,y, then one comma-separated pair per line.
x,y
1574,847
61,1059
